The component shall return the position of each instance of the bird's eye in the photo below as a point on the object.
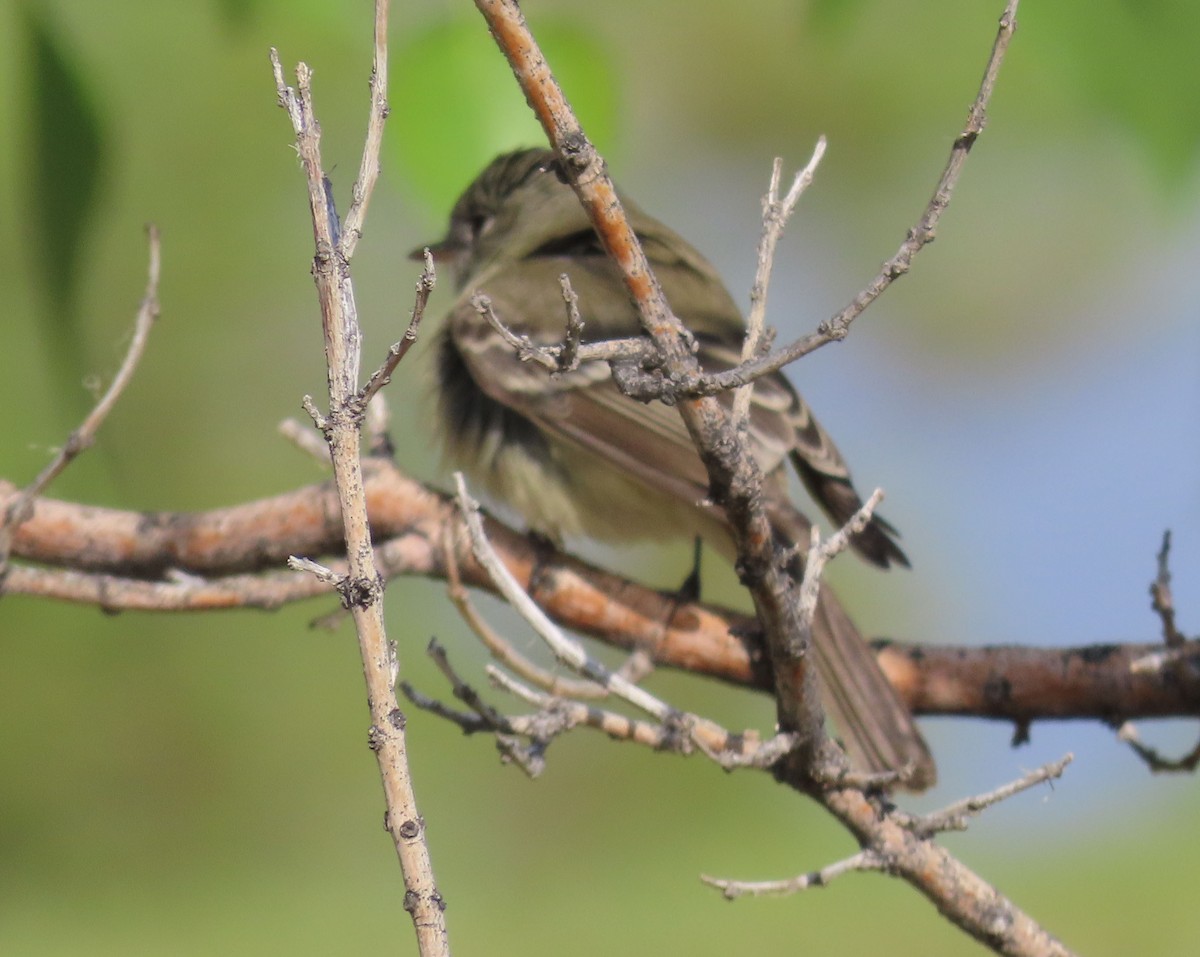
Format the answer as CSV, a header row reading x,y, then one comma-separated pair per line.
x,y
481,225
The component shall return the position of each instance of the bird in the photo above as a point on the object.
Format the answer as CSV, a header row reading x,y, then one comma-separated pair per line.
x,y
575,458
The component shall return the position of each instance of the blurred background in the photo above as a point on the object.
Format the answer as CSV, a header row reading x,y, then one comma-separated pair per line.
x,y
1028,397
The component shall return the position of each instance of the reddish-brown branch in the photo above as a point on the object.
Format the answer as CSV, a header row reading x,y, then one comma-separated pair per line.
x,y
1109,683
128,553
734,476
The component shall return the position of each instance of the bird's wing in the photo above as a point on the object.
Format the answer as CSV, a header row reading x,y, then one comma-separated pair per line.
x,y
583,406
647,440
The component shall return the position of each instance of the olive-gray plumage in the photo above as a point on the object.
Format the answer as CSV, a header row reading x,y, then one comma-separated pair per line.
x,y
575,457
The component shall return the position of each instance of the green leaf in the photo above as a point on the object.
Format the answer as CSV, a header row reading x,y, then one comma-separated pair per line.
x,y
64,169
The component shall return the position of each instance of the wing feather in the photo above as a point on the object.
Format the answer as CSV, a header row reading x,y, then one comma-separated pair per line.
x,y
649,442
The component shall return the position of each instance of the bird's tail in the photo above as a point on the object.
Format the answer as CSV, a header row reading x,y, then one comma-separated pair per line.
x,y
875,726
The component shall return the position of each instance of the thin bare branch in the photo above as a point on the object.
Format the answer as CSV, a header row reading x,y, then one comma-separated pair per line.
x,y
303,438
731,889
322,573
819,555
1153,758
20,508
776,214
383,375
923,233
556,715
368,170
571,353
501,648
1161,599
954,817
361,590
569,652
568,359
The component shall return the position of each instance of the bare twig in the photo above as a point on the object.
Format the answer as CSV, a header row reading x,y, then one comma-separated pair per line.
x,y
751,753
303,438
862,861
465,692
322,573
682,735
317,416
571,353
524,347
776,213
637,667
954,817
1153,758
1161,599
557,715
362,589
569,652
368,170
961,895
377,425
501,649
715,741
20,508
469,721
923,233
568,359
819,555
383,375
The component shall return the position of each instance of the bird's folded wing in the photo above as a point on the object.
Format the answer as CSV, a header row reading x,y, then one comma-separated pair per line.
x,y
584,406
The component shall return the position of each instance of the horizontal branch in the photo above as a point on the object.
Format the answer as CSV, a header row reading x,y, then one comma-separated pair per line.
x,y
1106,682
227,558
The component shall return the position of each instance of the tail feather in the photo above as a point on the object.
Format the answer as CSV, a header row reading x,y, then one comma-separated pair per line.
x,y
875,726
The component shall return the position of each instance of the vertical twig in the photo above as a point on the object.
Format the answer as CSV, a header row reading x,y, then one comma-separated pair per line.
x,y
368,170
776,213
362,589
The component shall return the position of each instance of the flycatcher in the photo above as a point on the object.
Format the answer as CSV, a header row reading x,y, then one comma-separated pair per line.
x,y
575,457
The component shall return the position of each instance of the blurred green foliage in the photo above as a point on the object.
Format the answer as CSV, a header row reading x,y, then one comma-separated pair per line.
x,y
458,96
201,784
65,159
1132,64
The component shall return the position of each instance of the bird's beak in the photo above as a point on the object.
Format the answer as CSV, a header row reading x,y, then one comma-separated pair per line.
x,y
442,251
